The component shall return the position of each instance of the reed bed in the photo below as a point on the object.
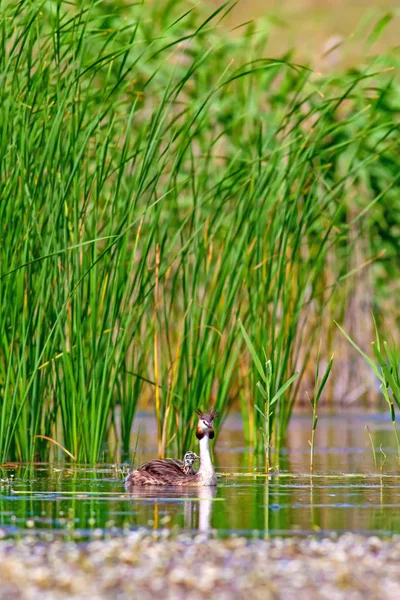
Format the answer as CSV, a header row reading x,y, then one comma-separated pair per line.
x,y
160,179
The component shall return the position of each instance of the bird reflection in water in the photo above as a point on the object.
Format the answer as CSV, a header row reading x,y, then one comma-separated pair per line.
x,y
167,507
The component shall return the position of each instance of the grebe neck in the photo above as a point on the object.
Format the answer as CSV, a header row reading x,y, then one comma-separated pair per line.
x,y
206,469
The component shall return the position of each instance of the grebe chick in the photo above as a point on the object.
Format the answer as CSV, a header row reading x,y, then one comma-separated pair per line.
x,y
170,472
185,465
188,461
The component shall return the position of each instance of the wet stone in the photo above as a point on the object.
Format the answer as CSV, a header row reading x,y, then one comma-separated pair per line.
x,y
141,565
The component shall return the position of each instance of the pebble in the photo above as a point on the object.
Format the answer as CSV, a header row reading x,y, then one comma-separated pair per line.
x,y
171,566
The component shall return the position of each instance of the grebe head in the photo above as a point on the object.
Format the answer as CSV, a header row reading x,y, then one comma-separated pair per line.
x,y
205,424
189,458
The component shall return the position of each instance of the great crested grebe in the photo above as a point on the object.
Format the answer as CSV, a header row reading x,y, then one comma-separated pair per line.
x,y
169,472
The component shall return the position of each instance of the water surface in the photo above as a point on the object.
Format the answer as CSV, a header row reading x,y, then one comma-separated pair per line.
x,y
345,493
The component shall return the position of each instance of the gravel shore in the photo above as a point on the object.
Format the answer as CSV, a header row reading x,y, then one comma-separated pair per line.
x,y
165,566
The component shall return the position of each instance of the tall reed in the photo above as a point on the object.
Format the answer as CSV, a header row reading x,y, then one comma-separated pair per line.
x,y
153,191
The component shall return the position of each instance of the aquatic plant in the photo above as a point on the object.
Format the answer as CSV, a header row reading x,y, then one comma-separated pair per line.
x,y
318,389
269,409
386,370
153,190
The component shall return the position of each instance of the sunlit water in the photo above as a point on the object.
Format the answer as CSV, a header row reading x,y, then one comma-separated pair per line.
x,y
345,493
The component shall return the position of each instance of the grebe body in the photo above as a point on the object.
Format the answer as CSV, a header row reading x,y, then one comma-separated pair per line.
x,y
171,472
